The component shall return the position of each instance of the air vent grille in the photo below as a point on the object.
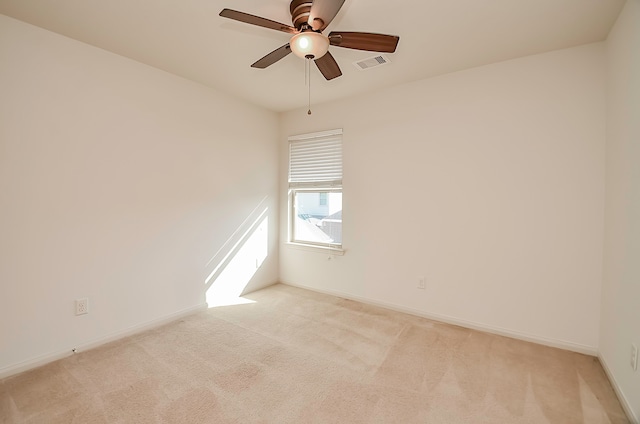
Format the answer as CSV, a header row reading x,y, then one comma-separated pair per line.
x,y
371,62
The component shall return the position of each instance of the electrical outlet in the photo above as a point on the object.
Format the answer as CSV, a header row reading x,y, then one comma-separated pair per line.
x,y
634,357
422,283
82,306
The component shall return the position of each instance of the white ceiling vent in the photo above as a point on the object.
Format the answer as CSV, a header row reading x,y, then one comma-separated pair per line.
x,y
371,62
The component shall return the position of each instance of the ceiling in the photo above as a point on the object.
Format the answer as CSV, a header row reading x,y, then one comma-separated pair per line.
x,y
189,39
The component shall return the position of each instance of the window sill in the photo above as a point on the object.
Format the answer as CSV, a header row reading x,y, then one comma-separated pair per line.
x,y
317,249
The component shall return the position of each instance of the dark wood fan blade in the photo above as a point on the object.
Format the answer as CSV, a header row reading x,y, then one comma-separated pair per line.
x,y
322,13
257,20
272,57
328,66
364,41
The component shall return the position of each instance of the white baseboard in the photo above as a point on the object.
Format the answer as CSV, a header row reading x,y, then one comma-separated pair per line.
x,y
561,344
621,397
54,356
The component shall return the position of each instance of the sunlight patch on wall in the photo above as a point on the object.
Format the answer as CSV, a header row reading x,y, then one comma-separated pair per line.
x,y
226,283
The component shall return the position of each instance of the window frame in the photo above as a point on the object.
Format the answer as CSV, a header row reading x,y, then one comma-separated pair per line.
x,y
333,186
293,214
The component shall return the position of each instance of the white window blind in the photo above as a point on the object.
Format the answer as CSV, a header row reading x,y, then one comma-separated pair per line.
x,y
316,159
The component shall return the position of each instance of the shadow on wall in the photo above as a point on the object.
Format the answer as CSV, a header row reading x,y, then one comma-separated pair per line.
x,y
239,258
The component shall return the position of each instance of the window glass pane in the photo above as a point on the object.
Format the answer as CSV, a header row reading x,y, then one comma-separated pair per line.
x,y
318,216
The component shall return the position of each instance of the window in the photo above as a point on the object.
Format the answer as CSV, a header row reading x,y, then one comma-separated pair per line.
x,y
315,189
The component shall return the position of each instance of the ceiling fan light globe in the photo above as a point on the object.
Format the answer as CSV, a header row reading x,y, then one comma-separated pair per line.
x,y
308,44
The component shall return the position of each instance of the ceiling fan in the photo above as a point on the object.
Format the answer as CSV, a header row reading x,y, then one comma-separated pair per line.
x,y
310,18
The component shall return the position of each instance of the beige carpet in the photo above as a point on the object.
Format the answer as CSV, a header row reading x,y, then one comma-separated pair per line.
x,y
296,356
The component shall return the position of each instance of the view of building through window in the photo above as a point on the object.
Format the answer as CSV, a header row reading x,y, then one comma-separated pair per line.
x,y
318,216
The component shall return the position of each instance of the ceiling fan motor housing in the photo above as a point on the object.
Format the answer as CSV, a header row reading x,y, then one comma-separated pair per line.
x,y
300,10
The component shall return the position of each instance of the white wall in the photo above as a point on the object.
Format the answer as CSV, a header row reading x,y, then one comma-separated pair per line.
x,y
621,288
489,182
118,182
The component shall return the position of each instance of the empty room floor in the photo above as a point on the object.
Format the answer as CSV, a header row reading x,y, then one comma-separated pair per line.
x,y
295,356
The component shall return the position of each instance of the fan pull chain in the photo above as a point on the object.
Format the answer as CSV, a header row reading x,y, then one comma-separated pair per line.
x,y
308,61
